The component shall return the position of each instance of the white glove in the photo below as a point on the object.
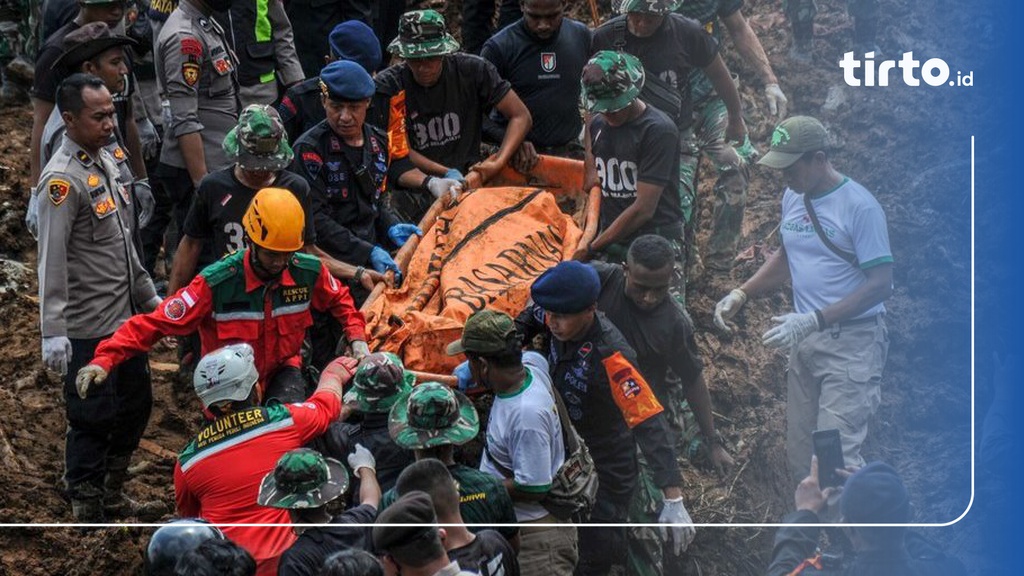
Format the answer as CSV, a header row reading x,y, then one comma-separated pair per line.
x,y
57,353
148,137
777,101
791,330
728,307
445,186
361,458
147,204
359,349
89,374
682,533
32,215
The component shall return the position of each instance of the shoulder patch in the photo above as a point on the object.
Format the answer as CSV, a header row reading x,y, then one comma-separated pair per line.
x,y
224,269
58,190
313,162
191,47
190,73
175,309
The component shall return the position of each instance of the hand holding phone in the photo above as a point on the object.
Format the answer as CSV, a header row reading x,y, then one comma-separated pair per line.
x,y
829,449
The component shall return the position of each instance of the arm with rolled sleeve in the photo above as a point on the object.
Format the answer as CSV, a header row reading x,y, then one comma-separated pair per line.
x,y
55,224
289,70
184,101
331,296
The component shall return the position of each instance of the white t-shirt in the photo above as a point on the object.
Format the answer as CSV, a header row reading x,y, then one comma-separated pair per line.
x,y
524,435
854,222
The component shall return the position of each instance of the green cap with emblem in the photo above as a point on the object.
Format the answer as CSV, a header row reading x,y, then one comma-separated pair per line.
x,y
611,81
422,34
379,382
259,141
793,138
303,478
486,332
433,415
649,6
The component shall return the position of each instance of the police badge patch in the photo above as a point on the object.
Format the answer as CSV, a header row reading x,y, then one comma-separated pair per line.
x,y
190,73
548,61
58,190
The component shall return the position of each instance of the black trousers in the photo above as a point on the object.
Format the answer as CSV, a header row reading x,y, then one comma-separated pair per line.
x,y
173,192
108,423
601,548
286,386
478,21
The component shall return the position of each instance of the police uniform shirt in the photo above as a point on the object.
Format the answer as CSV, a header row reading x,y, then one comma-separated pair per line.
x,y
646,149
301,108
662,336
220,203
672,52
350,220
444,121
199,83
546,75
709,13
91,278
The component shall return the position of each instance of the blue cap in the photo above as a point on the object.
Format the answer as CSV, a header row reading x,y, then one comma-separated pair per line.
x,y
346,81
354,41
875,494
566,288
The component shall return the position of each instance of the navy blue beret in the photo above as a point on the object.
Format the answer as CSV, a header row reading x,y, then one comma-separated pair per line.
x,y
346,81
875,494
355,41
567,288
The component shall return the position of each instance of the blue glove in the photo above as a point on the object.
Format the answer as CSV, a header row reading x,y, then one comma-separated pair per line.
x,y
400,233
454,174
381,261
464,377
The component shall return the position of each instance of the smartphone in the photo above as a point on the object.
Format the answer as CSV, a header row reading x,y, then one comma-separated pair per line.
x,y
829,450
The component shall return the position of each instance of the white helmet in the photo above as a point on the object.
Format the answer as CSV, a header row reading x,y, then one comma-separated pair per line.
x,y
225,374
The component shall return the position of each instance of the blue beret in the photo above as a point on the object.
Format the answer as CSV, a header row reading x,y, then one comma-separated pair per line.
x,y
354,41
567,288
346,81
875,494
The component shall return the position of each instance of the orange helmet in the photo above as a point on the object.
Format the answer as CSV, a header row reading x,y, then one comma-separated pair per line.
x,y
275,220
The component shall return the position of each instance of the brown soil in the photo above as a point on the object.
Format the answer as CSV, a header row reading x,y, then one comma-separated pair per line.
x,y
923,419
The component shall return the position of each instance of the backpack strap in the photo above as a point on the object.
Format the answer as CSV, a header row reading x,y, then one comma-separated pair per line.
x,y
848,256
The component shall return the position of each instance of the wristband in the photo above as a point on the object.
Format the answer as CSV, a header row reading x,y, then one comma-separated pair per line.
x,y
426,182
358,276
821,319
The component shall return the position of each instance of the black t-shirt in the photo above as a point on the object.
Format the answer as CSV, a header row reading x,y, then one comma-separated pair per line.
x,y
489,554
662,337
677,47
444,121
301,108
46,80
221,201
306,556
645,149
546,75
372,432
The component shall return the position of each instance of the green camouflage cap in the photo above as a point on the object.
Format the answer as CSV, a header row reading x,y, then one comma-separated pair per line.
x,y
486,332
379,382
259,141
793,138
303,478
422,34
649,6
433,415
611,81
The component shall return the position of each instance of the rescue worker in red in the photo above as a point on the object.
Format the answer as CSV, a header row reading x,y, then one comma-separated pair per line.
x,y
262,296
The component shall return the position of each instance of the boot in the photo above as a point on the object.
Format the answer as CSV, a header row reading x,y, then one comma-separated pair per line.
x,y
87,504
116,504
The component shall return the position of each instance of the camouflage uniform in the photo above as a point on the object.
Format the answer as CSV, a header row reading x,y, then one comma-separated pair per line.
x,y
801,15
17,48
303,478
379,383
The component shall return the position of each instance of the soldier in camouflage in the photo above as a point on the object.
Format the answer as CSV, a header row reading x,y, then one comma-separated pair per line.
x,y
433,415
801,15
16,42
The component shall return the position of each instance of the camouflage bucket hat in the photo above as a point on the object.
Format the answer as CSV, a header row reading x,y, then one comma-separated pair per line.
x,y
433,415
422,34
379,382
611,81
649,6
303,478
259,141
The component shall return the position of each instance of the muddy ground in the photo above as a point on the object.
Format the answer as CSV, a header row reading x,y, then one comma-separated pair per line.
x,y
895,141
